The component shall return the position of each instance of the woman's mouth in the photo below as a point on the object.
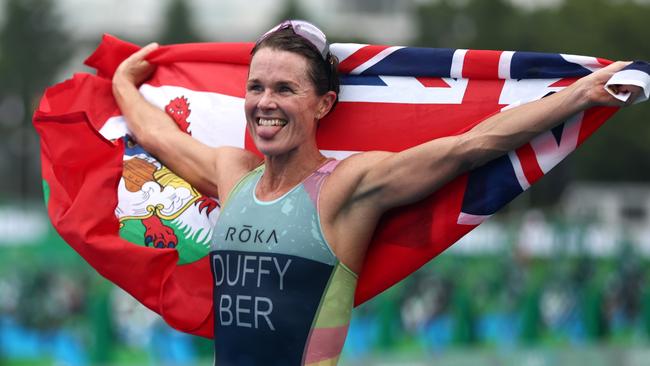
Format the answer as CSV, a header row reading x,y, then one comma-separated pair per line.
x,y
271,122
267,128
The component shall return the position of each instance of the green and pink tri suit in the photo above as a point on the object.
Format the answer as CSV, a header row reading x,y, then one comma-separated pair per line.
x,y
281,296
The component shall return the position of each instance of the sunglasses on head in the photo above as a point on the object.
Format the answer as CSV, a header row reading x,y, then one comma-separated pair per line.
x,y
305,30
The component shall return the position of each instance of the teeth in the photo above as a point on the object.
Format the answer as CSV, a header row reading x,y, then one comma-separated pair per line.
x,y
271,122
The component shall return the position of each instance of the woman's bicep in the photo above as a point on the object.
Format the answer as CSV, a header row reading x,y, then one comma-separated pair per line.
x,y
397,179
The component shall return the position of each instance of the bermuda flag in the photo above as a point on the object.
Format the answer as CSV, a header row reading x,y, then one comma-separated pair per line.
x,y
148,231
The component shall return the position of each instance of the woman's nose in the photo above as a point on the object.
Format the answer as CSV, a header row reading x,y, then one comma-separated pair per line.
x,y
267,100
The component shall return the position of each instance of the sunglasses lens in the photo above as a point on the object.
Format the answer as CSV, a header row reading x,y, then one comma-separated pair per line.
x,y
314,35
307,31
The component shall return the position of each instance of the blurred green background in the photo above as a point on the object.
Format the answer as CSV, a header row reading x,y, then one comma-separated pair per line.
x,y
558,277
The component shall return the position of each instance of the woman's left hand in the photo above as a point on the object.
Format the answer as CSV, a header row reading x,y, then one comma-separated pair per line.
x,y
593,87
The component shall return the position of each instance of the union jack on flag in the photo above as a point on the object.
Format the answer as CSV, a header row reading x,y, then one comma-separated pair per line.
x,y
148,231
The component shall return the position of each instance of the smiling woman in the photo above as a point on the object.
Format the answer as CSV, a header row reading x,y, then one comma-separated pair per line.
x,y
295,226
322,64
293,82
262,295
280,97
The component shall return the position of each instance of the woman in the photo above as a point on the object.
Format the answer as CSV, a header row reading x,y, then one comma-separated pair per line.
x,y
295,226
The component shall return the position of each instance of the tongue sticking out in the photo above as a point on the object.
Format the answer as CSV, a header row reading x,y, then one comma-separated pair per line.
x,y
267,132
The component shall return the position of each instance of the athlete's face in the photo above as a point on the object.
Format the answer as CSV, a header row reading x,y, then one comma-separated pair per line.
x,y
282,107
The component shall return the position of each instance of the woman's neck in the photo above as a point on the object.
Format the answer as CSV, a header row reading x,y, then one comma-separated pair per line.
x,y
283,172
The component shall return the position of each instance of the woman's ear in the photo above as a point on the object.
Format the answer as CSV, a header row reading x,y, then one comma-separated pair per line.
x,y
326,103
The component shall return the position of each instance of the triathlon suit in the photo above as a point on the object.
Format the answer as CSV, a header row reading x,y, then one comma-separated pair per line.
x,y
281,296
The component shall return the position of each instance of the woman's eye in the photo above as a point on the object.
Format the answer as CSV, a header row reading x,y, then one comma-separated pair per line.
x,y
285,89
255,88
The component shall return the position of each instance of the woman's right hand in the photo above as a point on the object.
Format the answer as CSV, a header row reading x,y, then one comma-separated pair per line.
x,y
135,69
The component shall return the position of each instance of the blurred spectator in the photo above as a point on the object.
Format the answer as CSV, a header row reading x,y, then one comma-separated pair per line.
x,y
142,328
42,323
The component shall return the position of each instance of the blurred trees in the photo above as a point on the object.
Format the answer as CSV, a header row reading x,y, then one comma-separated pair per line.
x,y
291,10
178,24
33,46
602,28
606,28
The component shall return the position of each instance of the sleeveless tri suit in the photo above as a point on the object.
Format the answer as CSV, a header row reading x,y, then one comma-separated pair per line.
x,y
281,296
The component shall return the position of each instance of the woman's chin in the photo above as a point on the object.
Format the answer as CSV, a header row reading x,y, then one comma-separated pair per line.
x,y
270,149
276,149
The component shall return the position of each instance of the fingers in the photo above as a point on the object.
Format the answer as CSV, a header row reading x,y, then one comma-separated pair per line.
x,y
152,46
142,53
627,93
603,75
617,66
634,91
622,93
135,68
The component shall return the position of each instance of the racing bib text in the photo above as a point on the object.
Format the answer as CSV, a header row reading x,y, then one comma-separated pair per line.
x,y
239,271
